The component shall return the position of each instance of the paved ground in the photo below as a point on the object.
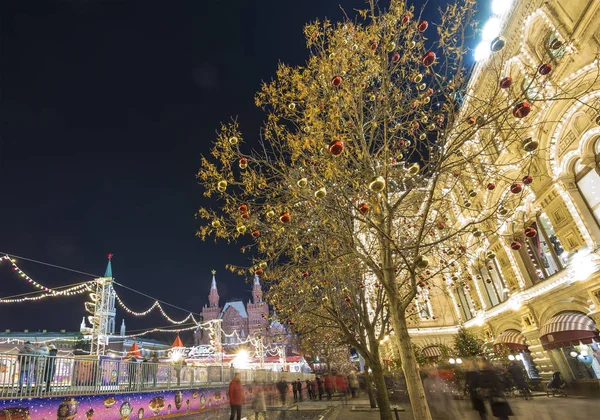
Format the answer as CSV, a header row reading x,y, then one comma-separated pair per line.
x,y
538,408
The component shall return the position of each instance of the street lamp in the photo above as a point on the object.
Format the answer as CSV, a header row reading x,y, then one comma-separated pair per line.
x,y
458,361
511,357
451,361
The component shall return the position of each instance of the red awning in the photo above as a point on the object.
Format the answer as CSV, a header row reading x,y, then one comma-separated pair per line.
x,y
512,339
568,329
432,352
134,351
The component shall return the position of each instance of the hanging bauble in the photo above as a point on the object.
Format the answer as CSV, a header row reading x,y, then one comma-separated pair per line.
x,y
336,147
363,208
305,274
233,140
431,126
241,229
302,182
515,245
395,57
321,193
372,98
556,44
423,25
497,44
348,298
480,121
502,211
413,169
255,233
545,69
516,188
421,86
390,47
259,272
476,232
472,193
422,262
428,59
522,109
491,186
488,280
490,255
422,136
263,264
362,285
530,232
242,208
529,144
418,78
467,204
222,185
441,225
527,179
505,82
292,106
245,215
374,45
377,184
336,81
270,213
405,19
421,284
285,218
216,224
471,120
243,163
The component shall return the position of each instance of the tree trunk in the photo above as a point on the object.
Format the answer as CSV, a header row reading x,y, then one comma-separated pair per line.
x,y
414,386
369,385
383,399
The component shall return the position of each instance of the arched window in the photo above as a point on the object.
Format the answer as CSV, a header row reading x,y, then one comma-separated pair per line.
x,y
465,304
588,183
554,47
497,291
545,250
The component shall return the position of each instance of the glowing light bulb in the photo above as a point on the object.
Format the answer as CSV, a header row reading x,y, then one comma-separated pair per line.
x,y
500,7
491,29
482,52
511,357
451,361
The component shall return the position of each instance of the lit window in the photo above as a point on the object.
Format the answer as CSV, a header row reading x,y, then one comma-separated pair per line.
x,y
588,183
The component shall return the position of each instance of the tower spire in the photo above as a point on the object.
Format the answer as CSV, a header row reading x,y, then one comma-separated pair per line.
x,y
256,290
213,296
108,272
214,281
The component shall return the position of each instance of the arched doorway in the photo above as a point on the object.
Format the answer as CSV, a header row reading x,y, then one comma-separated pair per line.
x,y
573,339
515,343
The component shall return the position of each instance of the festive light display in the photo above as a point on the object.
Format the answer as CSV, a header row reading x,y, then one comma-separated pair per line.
x,y
155,305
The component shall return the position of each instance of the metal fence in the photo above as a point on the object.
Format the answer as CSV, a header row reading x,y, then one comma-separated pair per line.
x,y
34,376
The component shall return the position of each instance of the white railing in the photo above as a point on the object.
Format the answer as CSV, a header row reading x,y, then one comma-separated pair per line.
x,y
24,376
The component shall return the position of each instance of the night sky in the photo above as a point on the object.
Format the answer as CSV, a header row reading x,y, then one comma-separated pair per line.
x,y
106,107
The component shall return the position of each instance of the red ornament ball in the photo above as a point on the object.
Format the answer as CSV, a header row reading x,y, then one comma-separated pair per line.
x,y
363,208
516,188
516,245
305,274
527,179
243,163
245,215
545,69
428,59
336,81
405,19
348,298
471,120
522,109
530,232
336,147
255,233
505,82
285,218
395,57
374,45
423,25
421,284
259,272
491,186
243,208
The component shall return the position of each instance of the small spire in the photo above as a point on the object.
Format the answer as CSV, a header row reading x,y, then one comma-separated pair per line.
x,y
256,279
214,281
108,272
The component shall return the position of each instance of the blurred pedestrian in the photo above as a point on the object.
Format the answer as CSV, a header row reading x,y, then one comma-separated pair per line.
x,y
342,387
295,390
282,387
518,378
259,405
353,383
132,367
319,382
26,362
299,388
489,387
50,366
154,367
309,389
329,385
235,393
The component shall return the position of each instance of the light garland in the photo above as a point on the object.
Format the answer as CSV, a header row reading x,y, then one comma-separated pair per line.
x,y
34,283
75,290
157,305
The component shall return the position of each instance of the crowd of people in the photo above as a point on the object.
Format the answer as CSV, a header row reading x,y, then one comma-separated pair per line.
x,y
37,364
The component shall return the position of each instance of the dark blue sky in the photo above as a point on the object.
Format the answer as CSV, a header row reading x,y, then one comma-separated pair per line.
x,y
106,107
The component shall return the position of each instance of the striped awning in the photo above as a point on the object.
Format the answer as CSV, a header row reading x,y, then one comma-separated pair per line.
x,y
512,339
431,352
568,329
